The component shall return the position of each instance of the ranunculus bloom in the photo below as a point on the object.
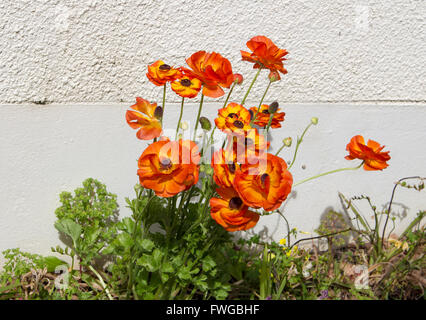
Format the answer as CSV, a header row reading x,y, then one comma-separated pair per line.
x,y
159,73
186,86
214,71
230,212
224,165
169,167
248,146
233,119
264,185
144,119
371,153
265,54
262,117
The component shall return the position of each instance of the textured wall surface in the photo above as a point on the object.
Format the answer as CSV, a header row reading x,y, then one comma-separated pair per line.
x,y
92,50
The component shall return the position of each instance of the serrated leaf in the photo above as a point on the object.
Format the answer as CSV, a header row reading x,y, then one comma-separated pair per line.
x,y
146,244
70,228
208,263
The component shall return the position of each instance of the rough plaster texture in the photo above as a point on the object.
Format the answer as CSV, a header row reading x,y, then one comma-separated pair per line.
x,y
97,51
48,149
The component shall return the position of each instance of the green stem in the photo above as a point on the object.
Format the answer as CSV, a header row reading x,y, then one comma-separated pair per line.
x,y
326,173
269,123
299,141
280,149
102,282
198,116
180,118
288,227
164,102
229,94
260,103
251,85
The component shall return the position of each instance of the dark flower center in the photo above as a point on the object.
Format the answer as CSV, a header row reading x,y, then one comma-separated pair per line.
x,y
165,164
235,203
263,178
251,114
164,67
185,82
238,124
265,111
232,115
231,167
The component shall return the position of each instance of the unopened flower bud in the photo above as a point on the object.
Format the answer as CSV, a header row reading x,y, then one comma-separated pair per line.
x,y
184,125
287,141
274,76
180,136
273,107
205,123
238,78
314,121
158,112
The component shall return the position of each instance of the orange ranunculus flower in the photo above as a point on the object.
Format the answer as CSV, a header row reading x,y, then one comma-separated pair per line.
x,y
233,119
371,153
262,117
169,167
224,165
230,212
159,73
265,54
248,146
214,71
186,86
264,185
145,119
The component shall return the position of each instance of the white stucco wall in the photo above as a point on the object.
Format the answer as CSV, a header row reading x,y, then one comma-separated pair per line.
x,y
90,50
357,65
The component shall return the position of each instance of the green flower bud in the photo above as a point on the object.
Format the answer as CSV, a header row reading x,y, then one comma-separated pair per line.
x,y
314,121
287,141
205,123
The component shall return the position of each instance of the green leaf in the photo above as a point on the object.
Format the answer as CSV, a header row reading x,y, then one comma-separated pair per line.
x,y
147,262
167,267
184,273
51,263
125,240
70,228
208,263
146,244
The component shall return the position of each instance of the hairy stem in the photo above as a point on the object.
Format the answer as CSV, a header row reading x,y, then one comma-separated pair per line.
x,y
326,173
251,85
198,117
180,118
299,141
260,103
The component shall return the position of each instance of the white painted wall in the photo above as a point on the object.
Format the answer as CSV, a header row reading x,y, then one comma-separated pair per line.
x,y
357,65
47,149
